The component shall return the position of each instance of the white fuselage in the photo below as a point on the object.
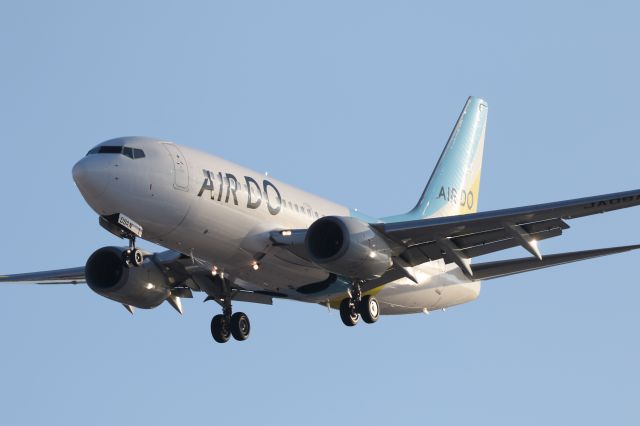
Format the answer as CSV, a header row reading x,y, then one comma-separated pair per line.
x,y
221,214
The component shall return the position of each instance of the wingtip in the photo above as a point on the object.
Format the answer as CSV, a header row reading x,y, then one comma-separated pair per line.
x,y
629,247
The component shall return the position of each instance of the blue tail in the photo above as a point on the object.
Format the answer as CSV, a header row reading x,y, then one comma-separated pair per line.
x,y
454,186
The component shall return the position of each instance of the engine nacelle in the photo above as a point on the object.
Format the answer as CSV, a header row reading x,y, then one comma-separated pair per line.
x,y
108,275
348,247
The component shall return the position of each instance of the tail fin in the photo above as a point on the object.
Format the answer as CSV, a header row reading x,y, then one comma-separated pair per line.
x,y
454,186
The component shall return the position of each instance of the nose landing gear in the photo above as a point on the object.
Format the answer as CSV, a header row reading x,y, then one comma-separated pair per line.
x,y
124,227
133,256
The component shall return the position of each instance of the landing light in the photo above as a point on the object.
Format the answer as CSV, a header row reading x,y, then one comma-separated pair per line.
x,y
149,286
286,233
255,266
372,254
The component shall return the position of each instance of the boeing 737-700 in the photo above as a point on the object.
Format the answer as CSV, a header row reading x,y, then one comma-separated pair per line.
x,y
237,235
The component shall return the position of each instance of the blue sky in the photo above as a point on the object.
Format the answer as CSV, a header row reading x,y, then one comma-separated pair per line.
x,y
353,101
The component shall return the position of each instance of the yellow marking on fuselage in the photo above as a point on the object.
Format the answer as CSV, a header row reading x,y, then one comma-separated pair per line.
x,y
335,302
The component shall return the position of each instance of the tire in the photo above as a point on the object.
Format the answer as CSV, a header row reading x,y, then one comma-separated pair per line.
x,y
240,326
137,258
348,315
219,329
126,258
369,309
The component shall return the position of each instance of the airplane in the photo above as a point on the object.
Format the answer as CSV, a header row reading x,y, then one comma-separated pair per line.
x,y
240,236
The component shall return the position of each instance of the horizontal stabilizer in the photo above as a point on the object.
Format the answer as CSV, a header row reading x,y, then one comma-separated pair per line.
x,y
489,270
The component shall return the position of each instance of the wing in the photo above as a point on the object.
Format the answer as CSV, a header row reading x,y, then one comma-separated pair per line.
x,y
458,238
186,273
58,276
490,270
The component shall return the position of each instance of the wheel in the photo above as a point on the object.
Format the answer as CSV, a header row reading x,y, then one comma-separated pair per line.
x,y
348,314
220,329
126,258
137,258
240,326
369,309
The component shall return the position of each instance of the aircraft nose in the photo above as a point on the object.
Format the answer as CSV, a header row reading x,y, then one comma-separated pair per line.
x,y
91,175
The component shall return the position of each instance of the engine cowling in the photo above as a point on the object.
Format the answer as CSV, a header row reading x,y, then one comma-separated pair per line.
x,y
108,275
348,247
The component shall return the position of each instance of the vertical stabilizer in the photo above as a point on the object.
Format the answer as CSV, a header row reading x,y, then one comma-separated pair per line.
x,y
454,186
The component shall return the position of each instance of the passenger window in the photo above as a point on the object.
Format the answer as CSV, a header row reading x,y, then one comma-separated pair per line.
x,y
138,153
309,212
128,152
297,208
290,206
317,216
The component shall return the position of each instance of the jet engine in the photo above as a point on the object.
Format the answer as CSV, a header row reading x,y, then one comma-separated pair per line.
x,y
109,275
348,247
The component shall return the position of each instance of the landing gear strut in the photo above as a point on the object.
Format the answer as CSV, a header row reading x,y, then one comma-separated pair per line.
x,y
229,324
356,306
133,256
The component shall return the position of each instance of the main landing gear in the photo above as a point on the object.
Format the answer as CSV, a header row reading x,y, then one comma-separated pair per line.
x,y
228,324
223,326
356,306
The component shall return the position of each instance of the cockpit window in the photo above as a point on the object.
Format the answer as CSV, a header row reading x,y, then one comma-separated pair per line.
x,y
127,152
132,153
110,150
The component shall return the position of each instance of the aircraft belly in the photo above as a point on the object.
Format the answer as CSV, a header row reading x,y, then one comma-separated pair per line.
x,y
280,277
436,289
418,298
